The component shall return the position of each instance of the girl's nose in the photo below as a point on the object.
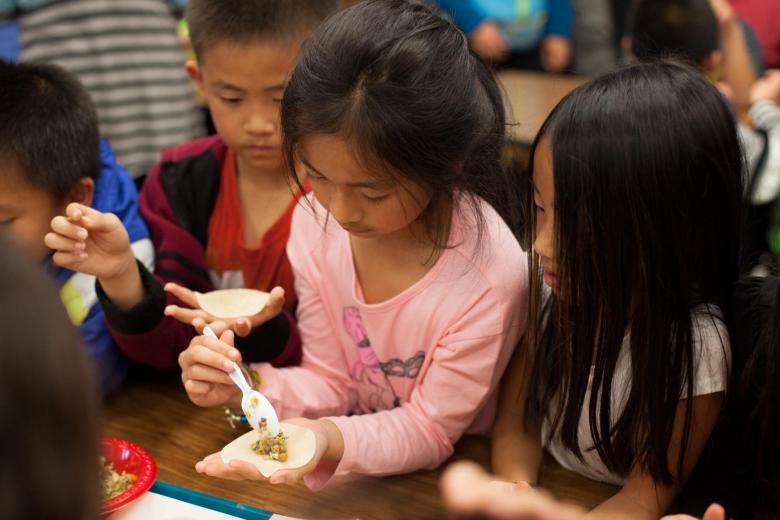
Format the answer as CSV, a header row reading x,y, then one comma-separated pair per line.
x,y
343,210
543,244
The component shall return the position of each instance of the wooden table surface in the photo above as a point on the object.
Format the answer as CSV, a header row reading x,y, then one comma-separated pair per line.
x,y
153,411
530,97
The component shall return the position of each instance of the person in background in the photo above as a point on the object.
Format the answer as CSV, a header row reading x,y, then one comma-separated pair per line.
x,y
764,17
705,33
127,55
50,157
219,208
524,34
594,37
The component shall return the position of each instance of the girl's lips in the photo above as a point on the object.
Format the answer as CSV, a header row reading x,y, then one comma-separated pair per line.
x,y
550,279
264,150
357,230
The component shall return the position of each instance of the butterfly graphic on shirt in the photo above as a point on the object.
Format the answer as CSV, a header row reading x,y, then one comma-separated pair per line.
x,y
372,374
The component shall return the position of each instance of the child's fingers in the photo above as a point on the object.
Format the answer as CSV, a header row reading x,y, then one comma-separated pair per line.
x,y
714,512
245,470
63,226
182,293
214,466
197,390
206,374
218,327
75,211
242,327
69,259
186,315
63,244
91,218
286,476
271,310
202,355
205,461
209,351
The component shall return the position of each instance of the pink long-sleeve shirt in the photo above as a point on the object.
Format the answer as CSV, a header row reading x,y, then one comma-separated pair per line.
x,y
403,379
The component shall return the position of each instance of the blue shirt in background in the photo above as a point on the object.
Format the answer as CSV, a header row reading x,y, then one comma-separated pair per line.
x,y
115,192
523,22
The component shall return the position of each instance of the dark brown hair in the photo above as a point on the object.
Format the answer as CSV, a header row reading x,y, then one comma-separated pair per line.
x,y
48,408
239,21
759,386
399,82
684,29
48,126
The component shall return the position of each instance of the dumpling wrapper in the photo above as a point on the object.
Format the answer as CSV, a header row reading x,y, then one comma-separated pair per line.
x,y
301,445
233,303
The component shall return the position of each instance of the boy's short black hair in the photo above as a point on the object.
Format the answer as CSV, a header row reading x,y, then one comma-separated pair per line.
x,y
213,21
48,126
684,29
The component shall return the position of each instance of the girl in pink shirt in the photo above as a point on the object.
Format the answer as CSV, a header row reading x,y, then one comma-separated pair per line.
x,y
412,285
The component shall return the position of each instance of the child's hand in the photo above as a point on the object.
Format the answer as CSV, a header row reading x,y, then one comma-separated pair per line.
x,y
767,87
488,41
205,366
468,490
714,512
214,466
324,431
91,242
723,11
199,318
555,53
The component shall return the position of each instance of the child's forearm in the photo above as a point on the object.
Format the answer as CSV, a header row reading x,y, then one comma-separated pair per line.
x,y
125,289
335,449
738,70
621,506
516,455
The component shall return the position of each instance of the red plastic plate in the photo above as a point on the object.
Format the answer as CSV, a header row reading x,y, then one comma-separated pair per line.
x,y
131,458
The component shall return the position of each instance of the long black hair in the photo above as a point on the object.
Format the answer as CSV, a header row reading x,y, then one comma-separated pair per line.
x,y
758,389
648,193
399,82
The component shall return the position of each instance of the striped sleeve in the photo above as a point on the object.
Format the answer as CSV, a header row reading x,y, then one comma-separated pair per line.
x,y
128,56
765,114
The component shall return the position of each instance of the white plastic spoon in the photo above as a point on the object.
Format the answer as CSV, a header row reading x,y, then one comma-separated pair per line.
x,y
254,404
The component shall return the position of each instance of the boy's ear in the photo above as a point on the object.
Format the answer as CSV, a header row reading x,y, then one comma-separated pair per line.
x,y
83,192
193,71
712,63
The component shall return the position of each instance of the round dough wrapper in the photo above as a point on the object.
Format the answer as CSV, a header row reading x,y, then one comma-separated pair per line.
x,y
233,303
301,445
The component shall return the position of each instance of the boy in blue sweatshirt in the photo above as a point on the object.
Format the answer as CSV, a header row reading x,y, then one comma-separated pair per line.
x,y
51,155
529,34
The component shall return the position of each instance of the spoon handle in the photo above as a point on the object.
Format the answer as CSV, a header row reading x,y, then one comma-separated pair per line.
x,y
236,375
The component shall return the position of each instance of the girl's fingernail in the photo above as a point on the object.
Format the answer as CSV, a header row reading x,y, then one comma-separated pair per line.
x,y
227,364
234,353
82,234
